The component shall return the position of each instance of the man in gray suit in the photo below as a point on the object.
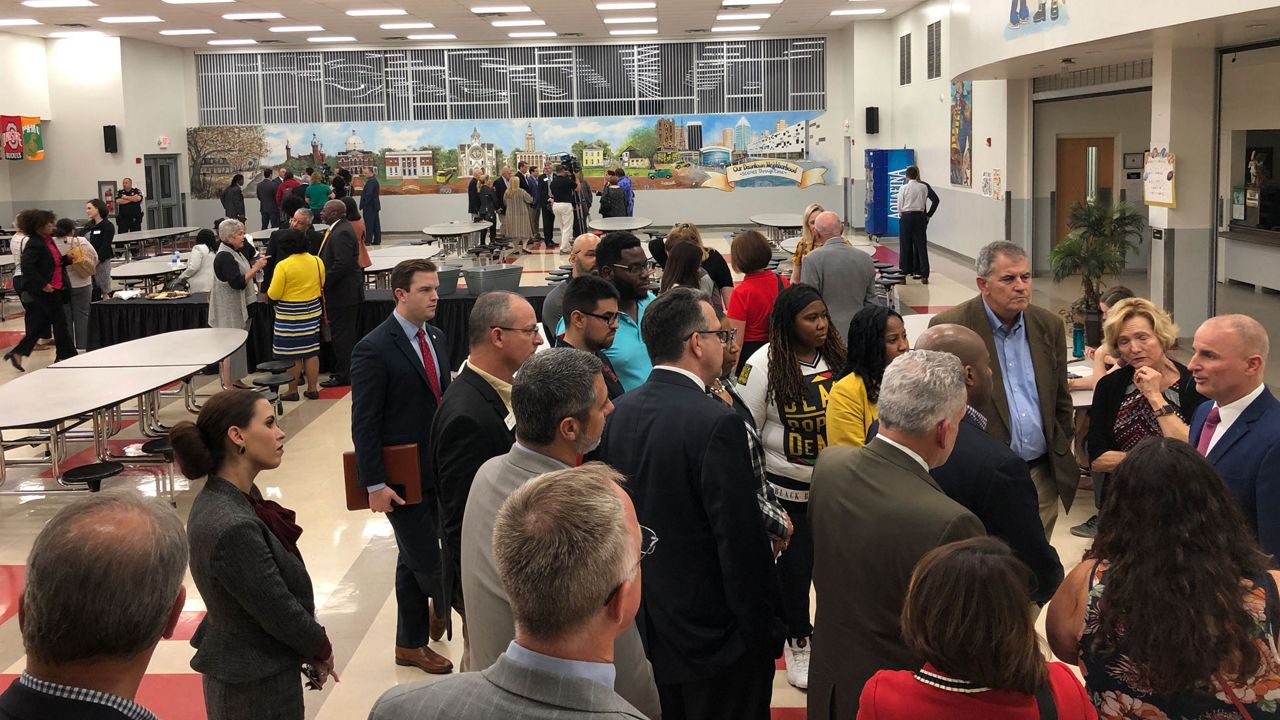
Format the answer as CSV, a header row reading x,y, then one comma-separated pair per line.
x,y
875,511
560,404
568,548
843,274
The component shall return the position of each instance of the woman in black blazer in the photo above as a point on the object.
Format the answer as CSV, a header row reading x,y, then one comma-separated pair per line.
x,y
44,288
260,627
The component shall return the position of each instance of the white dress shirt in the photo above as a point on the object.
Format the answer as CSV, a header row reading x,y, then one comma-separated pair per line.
x,y
1231,412
683,372
910,453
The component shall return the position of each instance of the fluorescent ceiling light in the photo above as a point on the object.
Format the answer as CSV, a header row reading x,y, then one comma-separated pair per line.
x,y
76,34
750,2
121,19
58,3
331,39
628,20
539,34
201,31
859,11
253,16
735,28
233,42
434,36
376,12
407,26
492,9
743,16
194,2
637,31
518,23
626,6
296,28
16,22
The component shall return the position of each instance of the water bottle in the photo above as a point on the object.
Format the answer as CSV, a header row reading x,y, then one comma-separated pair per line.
x,y
176,260
1077,341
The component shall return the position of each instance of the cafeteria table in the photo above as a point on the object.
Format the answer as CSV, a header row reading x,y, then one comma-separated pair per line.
x,y
462,236
157,235
614,224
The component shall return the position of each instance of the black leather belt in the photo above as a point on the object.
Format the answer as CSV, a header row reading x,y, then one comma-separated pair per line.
x,y
1042,460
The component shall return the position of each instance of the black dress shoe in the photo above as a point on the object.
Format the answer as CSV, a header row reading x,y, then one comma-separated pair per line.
x,y
14,362
334,382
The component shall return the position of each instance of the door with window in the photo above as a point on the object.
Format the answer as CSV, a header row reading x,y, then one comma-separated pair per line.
x,y
164,200
1082,163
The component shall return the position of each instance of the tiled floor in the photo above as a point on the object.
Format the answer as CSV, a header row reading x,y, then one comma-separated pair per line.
x,y
351,556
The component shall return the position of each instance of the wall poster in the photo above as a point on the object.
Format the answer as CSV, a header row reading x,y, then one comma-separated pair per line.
x,y
1159,186
962,133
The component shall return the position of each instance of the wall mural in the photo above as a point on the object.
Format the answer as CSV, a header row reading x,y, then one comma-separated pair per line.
x,y
962,133
437,157
1040,16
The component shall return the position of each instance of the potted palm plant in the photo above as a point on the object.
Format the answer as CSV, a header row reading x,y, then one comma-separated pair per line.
x,y
1101,238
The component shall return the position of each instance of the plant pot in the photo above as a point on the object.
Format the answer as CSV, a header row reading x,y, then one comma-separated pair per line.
x,y
1093,326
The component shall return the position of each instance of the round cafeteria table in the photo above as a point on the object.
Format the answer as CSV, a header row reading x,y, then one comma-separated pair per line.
x,y
147,272
778,224
614,224
460,236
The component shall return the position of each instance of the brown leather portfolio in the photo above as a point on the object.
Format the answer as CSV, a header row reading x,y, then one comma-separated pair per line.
x,y
403,476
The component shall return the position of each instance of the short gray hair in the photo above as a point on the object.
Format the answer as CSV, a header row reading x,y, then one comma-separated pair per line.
x,y
492,309
102,577
920,389
989,252
229,227
561,545
551,386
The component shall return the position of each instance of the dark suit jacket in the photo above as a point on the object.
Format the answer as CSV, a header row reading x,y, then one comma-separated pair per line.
x,y
37,268
473,196
20,702
985,476
500,189
343,278
370,200
543,198
1049,359
391,399
266,191
874,512
1247,458
707,590
260,609
471,426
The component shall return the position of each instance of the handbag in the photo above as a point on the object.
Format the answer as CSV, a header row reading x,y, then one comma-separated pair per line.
x,y
326,333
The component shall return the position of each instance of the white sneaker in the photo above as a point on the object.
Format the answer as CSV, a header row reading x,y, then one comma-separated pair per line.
x,y
797,659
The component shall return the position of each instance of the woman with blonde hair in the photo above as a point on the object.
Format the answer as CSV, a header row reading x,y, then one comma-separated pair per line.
x,y
518,222
807,238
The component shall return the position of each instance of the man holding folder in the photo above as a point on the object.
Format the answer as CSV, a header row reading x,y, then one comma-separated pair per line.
x,y
399,371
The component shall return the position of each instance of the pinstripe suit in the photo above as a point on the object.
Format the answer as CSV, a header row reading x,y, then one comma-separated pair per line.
x,y
505,689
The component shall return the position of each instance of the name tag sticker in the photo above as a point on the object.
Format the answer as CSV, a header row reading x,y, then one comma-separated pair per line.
x,y
510,420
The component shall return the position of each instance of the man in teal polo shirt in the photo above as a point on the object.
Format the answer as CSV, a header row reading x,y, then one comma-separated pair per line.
x,y
620,259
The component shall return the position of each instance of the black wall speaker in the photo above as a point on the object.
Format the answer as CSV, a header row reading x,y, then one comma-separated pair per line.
x,y
873,120
109,139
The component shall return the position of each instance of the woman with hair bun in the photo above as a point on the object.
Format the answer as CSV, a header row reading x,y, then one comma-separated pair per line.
x,y
260,626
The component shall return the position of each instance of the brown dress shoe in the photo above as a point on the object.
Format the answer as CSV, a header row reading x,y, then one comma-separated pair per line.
x,y
435,625
425,659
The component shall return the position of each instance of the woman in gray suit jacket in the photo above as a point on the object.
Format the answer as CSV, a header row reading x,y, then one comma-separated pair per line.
x,y
260,627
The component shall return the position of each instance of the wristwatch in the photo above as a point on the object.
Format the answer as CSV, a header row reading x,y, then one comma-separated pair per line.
x,y
1166,410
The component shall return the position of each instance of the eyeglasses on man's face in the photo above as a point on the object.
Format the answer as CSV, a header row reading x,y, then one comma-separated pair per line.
x,y
725,336
531,330
609,318
648,541
637,269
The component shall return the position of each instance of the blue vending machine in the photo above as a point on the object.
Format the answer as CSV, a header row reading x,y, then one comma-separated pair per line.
x,y
886,174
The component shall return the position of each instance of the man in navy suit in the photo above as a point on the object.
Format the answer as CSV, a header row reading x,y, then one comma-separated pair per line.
x,y
706,616
1239,432
399,373
371,207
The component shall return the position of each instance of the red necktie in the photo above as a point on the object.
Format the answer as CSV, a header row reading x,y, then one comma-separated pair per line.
x,y
430,364
1206,432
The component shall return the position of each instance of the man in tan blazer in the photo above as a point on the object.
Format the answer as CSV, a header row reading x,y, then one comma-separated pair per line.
x,y
875,512
1030,405
560,403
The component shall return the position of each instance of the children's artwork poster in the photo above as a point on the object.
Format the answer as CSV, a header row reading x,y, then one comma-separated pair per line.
x,y
11,132
986,184
1159,186
679,152
962,133
997,190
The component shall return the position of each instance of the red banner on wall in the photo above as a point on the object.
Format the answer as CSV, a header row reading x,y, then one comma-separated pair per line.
x,y
11,132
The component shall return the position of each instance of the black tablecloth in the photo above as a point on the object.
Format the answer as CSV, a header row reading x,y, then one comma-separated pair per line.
x,y
115,321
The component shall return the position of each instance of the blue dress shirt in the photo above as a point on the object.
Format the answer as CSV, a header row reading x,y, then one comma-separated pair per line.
x,y
1026,428
603,673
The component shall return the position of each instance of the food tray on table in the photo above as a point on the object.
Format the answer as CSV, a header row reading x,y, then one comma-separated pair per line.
x,y
168,295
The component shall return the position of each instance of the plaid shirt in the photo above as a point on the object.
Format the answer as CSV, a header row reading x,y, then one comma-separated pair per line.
x,y
775,518
128,708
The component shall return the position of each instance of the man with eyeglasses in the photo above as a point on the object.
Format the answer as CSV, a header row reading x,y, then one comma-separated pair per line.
x,y
474,423
560,405
592,323
568,550
583,260
710,627
621,260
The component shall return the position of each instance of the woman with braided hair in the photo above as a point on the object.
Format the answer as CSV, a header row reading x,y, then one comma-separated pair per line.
x,y
876,337
785,384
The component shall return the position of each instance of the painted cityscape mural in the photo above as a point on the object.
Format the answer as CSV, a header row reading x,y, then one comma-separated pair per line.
x,y
720,151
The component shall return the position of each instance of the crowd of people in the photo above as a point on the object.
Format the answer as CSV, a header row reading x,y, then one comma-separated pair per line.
x,y
779,436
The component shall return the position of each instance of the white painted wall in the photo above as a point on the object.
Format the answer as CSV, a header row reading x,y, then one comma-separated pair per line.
x,y
26,92
1246,105
154,71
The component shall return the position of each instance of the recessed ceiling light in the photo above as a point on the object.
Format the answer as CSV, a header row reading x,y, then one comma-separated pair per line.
x,y
122,19
518,23
253,16
859,11
434,36
407,26
637,31
296,28
743,16
58,3
76,34
200,31
735,28
495,9
376,12
750,2
538,34
15,22
626,6
629,20
194,2
233,42
331,39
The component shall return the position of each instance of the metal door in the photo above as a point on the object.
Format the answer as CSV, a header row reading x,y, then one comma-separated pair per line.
x,y
164,201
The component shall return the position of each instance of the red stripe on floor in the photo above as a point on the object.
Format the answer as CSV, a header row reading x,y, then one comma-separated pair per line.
x,y
10,338
11,577
173,697
188,621
334,393
885,254
787,713
931,309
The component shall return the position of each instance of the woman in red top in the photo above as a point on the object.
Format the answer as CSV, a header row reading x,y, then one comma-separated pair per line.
x,y
752,300
967,613
45,288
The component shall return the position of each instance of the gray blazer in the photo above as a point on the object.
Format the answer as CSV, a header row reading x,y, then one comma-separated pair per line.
x,y
874,512
846,278
260,617
490,627
505,690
